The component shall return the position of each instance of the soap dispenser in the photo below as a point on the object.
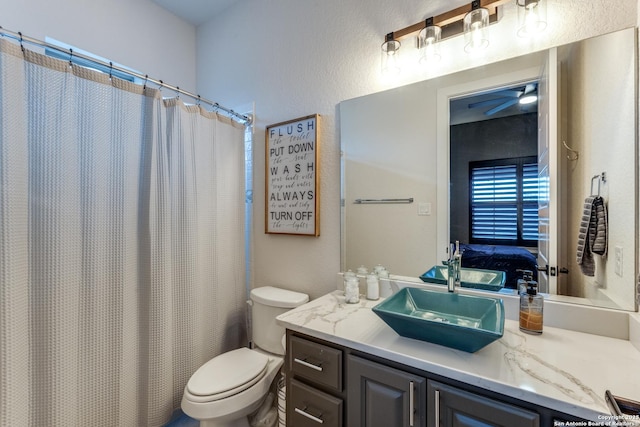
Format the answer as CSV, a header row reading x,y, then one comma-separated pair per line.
x,y
527,276
531,309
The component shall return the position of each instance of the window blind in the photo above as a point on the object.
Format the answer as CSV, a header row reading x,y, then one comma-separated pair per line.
x,y
504,202
530,201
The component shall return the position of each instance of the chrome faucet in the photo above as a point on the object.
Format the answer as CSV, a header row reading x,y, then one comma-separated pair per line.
x,y
454,264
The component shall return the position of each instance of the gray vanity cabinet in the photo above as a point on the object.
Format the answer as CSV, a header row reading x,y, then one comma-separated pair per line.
x,y
450,406
381,396
331,385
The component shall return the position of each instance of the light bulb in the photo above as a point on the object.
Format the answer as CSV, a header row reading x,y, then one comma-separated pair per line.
x,y
476,36
429,38
528,99
390,61
475,30
532,17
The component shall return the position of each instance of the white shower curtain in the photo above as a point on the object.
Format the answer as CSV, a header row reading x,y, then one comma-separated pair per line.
x,y
121,245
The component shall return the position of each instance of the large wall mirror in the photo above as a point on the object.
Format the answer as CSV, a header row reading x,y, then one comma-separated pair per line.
x,y
410,154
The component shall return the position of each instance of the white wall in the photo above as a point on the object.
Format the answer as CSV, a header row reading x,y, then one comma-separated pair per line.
x,y
603,113
388,142
136,33
299,57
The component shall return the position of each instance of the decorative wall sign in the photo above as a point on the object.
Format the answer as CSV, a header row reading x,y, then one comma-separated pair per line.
x,y
291,182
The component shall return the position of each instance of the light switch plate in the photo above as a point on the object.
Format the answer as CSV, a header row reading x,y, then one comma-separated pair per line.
x,y
618,260
424,208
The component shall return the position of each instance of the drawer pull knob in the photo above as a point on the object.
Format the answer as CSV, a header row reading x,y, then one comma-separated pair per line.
x,y
308,365
304,413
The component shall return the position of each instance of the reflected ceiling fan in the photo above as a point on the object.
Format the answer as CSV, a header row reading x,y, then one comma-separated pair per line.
x,y
527,94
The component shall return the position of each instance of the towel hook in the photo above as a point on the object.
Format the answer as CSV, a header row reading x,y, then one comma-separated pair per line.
x,y
21,45
576,153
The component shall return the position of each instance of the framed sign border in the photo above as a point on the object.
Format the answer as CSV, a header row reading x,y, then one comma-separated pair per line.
x,y
316,200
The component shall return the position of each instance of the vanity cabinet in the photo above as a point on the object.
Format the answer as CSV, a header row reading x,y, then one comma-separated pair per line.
x,y
332,385
381,396
450,406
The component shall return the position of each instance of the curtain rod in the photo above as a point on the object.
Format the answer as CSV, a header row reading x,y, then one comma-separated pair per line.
x,y
244,119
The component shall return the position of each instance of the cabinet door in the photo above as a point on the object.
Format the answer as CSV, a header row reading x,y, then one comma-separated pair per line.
x,y
451,407
380,396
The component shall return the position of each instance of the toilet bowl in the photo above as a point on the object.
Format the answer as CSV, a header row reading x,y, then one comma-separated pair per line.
x,y
245,377
229,387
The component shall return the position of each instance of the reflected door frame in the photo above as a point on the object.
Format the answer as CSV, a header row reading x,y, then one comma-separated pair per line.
x,y
549,194
444,96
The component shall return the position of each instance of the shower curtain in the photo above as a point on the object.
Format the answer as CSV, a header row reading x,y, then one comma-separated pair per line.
x,y
121,245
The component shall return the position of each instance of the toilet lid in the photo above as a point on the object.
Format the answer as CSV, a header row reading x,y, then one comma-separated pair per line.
x,y
228,372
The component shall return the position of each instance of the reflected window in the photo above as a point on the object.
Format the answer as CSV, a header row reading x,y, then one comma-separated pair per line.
x,y
65,55
504,201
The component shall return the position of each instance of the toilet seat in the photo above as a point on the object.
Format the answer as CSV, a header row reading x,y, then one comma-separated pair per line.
x,y
227,374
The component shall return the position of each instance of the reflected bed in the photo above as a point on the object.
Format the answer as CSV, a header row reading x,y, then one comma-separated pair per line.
x,y
509,259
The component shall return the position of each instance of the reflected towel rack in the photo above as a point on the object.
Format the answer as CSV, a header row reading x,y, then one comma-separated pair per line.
x,y
601,178
374,201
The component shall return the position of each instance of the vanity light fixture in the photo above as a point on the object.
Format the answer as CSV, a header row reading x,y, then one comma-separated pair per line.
x,y
479,14
429,42
475,24
390,55
532,17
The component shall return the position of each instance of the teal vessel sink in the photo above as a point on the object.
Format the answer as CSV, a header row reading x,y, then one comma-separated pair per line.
x,y
476,278
463,322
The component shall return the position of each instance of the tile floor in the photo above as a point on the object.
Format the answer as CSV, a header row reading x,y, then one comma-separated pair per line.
x,y
179,419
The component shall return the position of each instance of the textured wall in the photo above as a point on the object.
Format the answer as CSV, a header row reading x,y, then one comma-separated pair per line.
x,y
299,57
138,34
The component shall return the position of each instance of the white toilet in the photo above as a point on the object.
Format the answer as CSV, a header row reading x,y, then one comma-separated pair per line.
x,y
223,391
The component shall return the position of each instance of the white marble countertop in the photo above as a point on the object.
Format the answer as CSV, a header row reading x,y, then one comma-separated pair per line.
x,y
563,370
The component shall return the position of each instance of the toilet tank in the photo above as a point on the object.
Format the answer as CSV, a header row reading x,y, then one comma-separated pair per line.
x,y
267,303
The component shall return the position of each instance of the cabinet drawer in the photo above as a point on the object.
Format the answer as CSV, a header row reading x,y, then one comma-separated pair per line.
x,y
308,407
316,362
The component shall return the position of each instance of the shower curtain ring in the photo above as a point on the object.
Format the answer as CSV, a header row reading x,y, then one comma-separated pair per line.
x,y
146,77
70,57
198,101
110,70
177,92
21,45
161,84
